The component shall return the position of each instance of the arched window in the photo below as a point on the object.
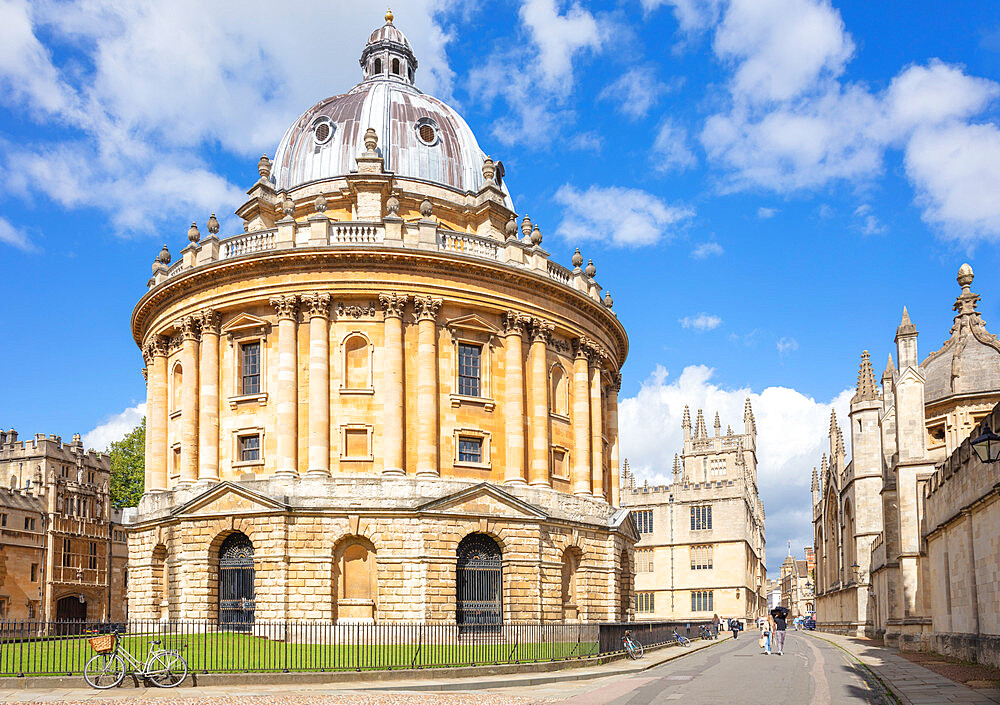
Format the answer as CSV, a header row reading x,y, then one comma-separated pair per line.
x,y
357,362
558,391
395,66
479,584
236,582
178,384
570,568
13,482
378,66
354,558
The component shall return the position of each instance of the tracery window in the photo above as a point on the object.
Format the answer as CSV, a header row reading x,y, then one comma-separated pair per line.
x,y
701,517
702,601
701,557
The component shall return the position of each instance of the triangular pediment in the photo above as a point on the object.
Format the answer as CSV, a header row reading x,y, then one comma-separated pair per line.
x,y
245,323
621,521
472,322
483,499
228,498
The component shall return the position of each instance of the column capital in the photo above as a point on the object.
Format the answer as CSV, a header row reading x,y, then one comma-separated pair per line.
x,y
211,321
318,305
582,348
285,306
190,327
514,323
614,381
541,331
156,346
393,304
425,308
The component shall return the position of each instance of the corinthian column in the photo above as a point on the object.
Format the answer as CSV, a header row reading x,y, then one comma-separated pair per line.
x,y
538,470
426,309
581,418
393,407
613,388
189,400
513,403
319,383
208,402
287,395
156,415
596,427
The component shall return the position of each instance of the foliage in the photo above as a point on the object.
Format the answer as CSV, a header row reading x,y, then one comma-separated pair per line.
x,y
128,467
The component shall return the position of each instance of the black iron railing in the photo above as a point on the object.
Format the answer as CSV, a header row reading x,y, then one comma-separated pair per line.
x,y
62,648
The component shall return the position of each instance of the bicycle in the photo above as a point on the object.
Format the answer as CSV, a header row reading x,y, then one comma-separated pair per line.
x,y
106,669
682,640
632,647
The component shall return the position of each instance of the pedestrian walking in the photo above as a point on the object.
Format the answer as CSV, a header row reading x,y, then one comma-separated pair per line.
x,y
779,615
765,627
734,625
715,626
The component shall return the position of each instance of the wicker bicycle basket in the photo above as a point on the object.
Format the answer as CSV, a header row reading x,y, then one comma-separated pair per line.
x,y
103,644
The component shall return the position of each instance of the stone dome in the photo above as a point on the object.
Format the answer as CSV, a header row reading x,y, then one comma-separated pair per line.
x,y
969,361
419,136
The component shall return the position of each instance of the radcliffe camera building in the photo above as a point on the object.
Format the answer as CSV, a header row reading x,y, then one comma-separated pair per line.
x,y
701,538
382,396
905,532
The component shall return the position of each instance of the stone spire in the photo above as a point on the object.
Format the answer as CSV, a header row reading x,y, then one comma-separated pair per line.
x,y
815,481
677,468
823,466
699,426
718,425
686,421
747,411
867,389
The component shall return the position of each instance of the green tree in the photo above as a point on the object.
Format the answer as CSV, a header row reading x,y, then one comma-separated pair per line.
x,y
128,467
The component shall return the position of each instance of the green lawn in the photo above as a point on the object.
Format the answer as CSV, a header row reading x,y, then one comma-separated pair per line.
x,y
229,651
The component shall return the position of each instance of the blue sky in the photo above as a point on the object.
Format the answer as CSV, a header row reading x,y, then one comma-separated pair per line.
x,y
762,184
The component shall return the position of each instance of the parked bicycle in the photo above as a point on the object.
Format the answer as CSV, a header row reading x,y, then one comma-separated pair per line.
x,y
706,632
106,669
682,640
632,647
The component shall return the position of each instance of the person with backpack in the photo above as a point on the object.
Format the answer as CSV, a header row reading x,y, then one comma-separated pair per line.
x,y
735,626
779,615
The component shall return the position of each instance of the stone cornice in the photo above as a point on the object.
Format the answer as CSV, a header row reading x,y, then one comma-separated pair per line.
x,y
378,260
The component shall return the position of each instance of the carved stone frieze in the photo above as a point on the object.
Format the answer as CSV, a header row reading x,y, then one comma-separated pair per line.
x,y
559,345
393,304
285,306
426,308
356,310
317,305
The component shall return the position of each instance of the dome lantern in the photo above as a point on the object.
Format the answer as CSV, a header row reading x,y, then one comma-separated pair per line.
x,y
388,55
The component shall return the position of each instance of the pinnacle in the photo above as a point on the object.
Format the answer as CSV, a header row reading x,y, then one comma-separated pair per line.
x,y
890,366
906,318
699,430
867,389
686,423
815,480
747,411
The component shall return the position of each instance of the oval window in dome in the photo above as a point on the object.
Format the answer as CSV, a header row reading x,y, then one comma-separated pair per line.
x,y
322,130
427,131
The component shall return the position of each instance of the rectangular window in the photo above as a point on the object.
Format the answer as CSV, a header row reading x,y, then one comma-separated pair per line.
x,y
701,517
701,557
470,449
34,572
469,370
29,524
3,608
3,520
250,368
644,560
643,521
92,559
718,467
249,448
67,559
701,601
31,610
644,602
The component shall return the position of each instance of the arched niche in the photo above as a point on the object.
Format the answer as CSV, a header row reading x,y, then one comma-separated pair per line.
x,y
355,578
571,560
357,362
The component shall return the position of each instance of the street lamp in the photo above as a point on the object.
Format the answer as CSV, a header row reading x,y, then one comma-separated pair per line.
x,y
987,445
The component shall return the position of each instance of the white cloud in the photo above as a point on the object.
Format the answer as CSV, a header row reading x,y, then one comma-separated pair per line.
x,y
635,92
707,249
692,15
558,37
870,224
786,345
15,237
26,70
589,141
114,428
792,430
765,213
700,322
936,93
670,148
622,216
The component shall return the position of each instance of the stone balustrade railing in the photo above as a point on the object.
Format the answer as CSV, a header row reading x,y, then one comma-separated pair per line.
x,y
289,234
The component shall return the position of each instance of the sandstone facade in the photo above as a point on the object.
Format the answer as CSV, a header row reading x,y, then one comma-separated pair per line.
x,y
63,553
384,341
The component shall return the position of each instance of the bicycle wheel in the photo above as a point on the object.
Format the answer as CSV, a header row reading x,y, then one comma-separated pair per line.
x,y
684,641
167,669
637,650
104,671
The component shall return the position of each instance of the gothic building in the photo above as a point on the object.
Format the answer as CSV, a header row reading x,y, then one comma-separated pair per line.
x,y
701,538
870,526
382,400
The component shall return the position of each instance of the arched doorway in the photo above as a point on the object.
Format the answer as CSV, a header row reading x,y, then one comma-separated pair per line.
x,y
71,612
479,582
236,576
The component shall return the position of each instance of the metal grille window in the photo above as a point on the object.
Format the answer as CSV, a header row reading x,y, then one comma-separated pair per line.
x,y
469,370
644,601
701,517
701,601
701,557
237,600
250,368
470,449
643,521
249,448
479,580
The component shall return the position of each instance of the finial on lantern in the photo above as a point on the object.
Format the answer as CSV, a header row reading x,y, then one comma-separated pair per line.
x,y
213,225
388,16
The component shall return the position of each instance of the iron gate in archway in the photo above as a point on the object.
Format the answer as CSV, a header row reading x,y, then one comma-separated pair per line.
x,y
479,585
236,574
